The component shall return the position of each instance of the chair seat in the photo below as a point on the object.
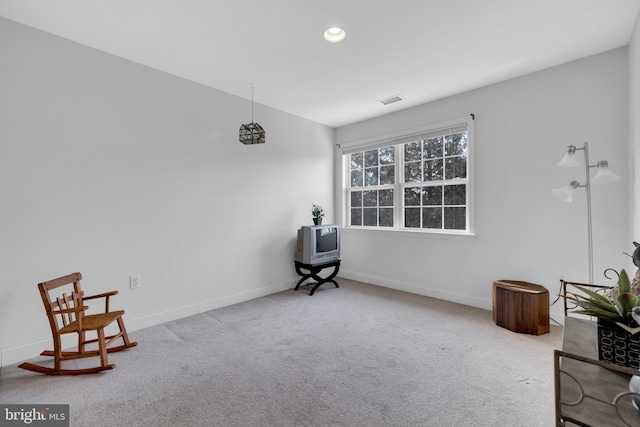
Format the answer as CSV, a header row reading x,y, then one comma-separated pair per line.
x,y
93,322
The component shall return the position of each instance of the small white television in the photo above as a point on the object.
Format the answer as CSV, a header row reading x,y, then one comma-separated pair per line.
x,y
318,244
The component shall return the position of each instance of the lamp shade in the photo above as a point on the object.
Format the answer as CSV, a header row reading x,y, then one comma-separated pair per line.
x,y
604,174
569,160
565,194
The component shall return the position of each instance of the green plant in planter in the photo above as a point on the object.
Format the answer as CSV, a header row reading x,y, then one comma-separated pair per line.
x,y
616,307
317,211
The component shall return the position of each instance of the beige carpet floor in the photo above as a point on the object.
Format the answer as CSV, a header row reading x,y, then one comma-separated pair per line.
x,y
358,355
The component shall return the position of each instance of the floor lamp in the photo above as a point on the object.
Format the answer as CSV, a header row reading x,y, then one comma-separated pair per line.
x,y
604,175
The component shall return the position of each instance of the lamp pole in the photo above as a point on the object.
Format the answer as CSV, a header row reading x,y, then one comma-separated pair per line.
x,y
587,186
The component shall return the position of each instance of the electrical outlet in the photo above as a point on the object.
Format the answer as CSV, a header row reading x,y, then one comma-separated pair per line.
x,y
135,282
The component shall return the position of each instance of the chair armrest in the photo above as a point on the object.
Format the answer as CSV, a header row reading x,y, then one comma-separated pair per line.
x,y
103,295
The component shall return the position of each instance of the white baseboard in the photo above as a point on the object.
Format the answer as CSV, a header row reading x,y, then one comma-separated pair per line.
x,y
419,290
27,351
134,324
23,352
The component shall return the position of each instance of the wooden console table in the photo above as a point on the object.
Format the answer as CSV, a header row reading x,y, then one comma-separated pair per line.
x,y
590,392
312,272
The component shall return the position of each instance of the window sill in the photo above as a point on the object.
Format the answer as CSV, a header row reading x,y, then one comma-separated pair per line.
x,y
391,232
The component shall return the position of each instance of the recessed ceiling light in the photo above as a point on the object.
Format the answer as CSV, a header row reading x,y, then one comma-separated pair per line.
x,y
334,34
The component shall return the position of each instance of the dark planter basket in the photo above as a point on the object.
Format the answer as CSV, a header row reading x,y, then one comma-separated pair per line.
x,y
615,345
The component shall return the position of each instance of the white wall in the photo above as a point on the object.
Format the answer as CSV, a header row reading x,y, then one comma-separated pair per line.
x,y
112,169
522,127
634,131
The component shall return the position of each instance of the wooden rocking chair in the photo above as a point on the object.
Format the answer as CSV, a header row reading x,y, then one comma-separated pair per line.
x,y
66,313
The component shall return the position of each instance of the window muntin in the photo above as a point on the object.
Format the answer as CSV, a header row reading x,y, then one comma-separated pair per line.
x,y
436,162
438,207
419,184
371,194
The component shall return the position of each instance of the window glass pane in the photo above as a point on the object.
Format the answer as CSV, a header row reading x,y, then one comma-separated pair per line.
x,y
455,218
432,218
356,178
356,199
387,155
456,167
432,195
371,158
455,194
386,217
386,197
387,175
412,172
370,198
356,160
412,217
356,216
456,144
413,151
370,176
433,148
433,170
432,179
412,196
370,217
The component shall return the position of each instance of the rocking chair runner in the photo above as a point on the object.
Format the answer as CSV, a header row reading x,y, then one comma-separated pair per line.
x,y
66,313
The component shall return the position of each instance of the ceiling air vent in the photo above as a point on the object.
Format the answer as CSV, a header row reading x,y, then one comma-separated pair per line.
x,y
391,99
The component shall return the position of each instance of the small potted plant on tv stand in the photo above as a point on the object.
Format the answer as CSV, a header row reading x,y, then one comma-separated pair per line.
x,y
318,213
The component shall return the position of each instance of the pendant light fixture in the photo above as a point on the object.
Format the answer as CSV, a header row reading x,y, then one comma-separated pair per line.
x,y
252,133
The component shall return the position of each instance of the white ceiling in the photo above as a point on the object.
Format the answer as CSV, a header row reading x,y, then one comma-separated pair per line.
x,y
421,49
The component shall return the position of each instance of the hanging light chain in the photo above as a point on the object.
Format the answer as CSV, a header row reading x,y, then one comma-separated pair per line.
x,y
251,102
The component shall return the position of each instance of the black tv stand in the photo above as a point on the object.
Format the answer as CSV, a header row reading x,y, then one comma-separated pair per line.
x,y
313,271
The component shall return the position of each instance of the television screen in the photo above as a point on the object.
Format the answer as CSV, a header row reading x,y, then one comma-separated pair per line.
x,y
326,240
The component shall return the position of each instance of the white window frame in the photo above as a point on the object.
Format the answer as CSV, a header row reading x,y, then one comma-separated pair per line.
x,y
395,139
